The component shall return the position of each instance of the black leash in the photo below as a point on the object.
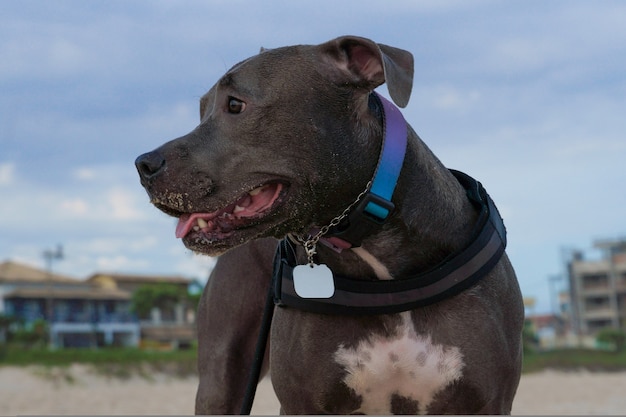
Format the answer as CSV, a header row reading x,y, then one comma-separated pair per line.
x,y
259,353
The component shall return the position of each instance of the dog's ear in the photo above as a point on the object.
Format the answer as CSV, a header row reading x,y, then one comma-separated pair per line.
x,y
364,63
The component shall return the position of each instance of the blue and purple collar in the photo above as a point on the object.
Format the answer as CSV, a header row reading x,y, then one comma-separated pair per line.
x,y
456,273
375,207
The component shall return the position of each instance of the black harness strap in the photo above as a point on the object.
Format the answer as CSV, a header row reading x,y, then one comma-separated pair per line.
x,y
455,274
357,297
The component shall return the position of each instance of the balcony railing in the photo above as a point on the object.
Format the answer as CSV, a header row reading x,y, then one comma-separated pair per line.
x,y
599,313
95,318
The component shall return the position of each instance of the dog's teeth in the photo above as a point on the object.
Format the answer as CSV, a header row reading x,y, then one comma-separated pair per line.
x,y
196,229
202,223
256,191
238,209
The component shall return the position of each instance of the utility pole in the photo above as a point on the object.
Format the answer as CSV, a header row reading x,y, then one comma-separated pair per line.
x,y
50,255
554,301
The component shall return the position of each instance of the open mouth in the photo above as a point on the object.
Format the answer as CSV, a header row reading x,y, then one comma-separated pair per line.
x,y
219,224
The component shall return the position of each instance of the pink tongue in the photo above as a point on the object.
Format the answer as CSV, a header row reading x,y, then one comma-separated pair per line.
x,y
184,225
187,221
251,205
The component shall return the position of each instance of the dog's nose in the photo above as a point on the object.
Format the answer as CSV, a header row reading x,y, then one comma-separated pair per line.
x,y
149,164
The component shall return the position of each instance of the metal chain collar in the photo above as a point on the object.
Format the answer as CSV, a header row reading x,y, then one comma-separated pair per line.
x,y
310,242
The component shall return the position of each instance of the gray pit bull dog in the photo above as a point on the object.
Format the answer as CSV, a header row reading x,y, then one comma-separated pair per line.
x,y
288,141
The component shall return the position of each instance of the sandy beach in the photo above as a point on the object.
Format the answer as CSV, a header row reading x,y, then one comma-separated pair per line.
x,y
81,390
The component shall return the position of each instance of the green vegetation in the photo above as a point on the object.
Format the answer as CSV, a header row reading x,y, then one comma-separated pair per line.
x,y
26,336
575,359
123,356
118,362
611,355
163,296
614,338
26,345
529,338
183,362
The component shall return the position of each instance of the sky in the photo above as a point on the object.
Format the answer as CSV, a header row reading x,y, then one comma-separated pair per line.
x,y
527,97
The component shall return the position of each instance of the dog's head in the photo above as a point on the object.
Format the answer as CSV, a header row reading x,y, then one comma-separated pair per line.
x,y
287,140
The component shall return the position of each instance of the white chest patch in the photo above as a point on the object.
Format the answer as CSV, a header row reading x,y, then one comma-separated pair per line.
x,y
406,365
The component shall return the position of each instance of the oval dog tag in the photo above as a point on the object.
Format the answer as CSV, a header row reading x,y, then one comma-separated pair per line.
x,y
313,282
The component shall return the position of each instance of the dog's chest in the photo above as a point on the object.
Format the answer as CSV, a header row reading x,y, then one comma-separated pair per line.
x,y
399,374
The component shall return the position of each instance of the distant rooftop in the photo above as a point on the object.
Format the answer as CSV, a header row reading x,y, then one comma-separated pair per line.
x,y
17,272
134,279
87,293
613,245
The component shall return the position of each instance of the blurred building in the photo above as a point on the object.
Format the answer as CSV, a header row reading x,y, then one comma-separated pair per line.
x,y
598,289
96,311
78,314
165,325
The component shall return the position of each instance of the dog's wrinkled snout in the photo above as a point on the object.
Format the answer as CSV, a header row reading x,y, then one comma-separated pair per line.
x,y
149,164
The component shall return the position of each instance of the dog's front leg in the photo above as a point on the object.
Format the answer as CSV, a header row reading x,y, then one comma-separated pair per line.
x,y
229,318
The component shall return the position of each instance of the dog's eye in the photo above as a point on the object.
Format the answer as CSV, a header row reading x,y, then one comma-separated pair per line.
x,y
235,106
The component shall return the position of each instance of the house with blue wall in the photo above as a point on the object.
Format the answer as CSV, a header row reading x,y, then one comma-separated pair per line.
x,y
92,312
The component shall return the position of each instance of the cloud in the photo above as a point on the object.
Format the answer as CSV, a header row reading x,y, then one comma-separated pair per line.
x,y
75,206
102,206
62,50
7,173
450,98
84,174
120,263
122,204
196,266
